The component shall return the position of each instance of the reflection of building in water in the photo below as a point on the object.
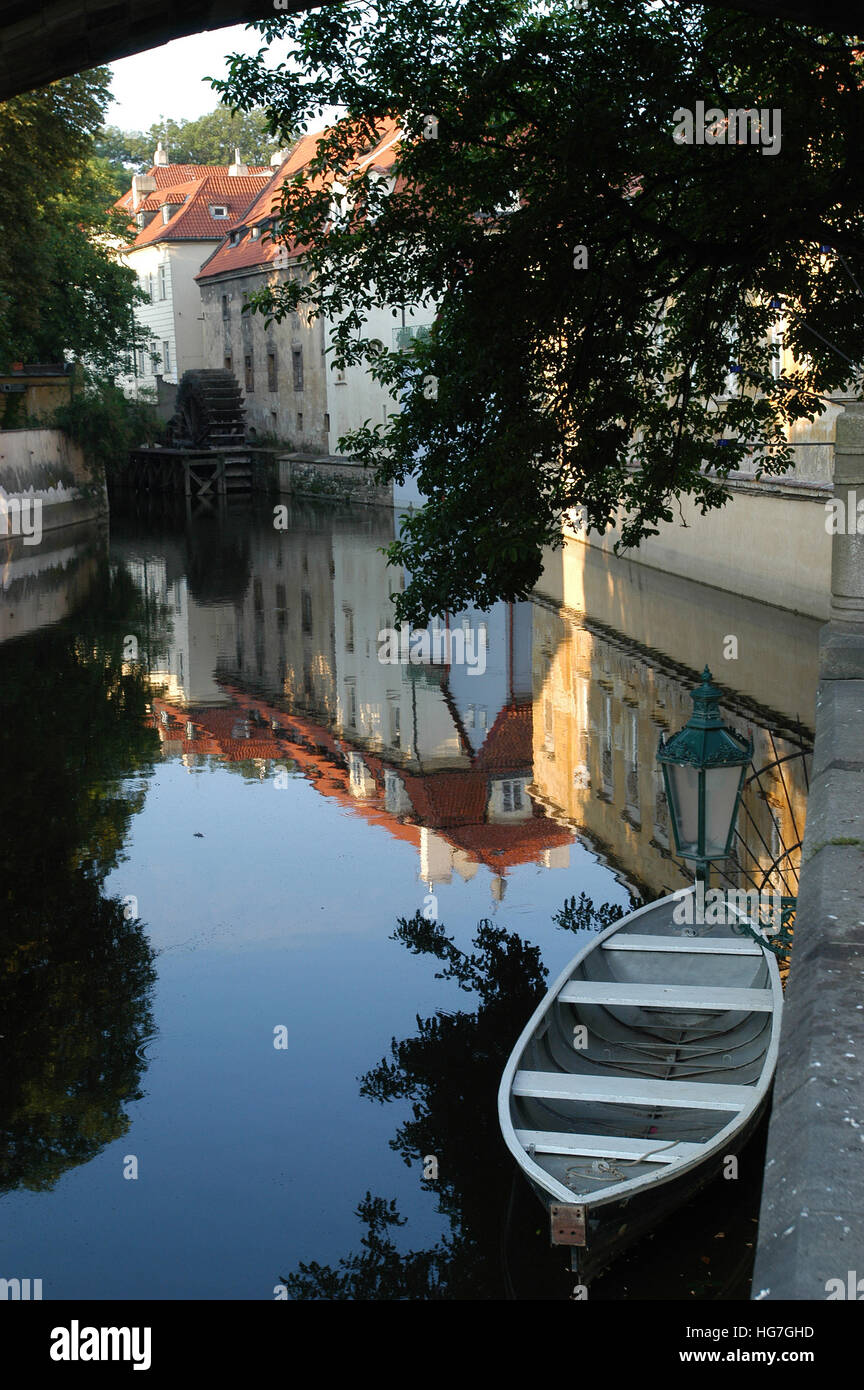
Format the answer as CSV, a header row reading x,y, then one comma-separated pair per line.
x,y
457,820
600,707
554,735
188,634
436,754
46,585
283,629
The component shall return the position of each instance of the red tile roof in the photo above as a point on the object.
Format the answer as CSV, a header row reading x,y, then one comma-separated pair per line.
x,y
196,187
263,250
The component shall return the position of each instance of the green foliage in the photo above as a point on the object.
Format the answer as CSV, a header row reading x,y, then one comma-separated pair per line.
x,y
209,139
107,425
557,387
452,1065
76,972
583,916
63,294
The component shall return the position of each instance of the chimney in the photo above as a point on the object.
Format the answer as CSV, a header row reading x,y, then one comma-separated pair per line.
x,y
142,185
237,168
161,156
278,159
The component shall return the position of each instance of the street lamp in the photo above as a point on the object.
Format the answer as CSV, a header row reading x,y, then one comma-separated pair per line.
x,y
703,771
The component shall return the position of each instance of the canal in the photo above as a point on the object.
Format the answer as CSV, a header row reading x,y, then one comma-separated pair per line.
x,y
275,911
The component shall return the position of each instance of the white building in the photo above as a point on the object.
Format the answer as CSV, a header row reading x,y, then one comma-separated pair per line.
x,y
181,213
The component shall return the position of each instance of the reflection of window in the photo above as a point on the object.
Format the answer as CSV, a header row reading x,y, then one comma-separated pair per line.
x,y
606,758
511,796
661,810
548,727
306,610
395,726
281,605
349,629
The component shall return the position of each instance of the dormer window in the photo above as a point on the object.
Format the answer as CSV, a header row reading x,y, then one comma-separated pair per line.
x,y
168,211
235,237
255,233
218,210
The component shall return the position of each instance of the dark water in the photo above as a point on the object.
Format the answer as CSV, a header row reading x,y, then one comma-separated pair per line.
x,y
217,806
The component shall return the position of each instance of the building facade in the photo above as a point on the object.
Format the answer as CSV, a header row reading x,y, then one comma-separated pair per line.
x,y
180,214
293,393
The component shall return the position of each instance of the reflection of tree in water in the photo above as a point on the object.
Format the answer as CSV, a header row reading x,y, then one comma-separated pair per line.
x,y
75,974
449,1073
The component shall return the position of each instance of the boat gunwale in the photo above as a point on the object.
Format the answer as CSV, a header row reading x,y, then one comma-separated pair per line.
x,y
668,1171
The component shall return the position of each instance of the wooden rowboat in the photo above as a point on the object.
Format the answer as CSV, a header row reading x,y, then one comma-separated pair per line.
x,y
647,1065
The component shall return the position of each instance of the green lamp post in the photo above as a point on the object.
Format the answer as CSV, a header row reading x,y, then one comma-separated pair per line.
x,y
704,765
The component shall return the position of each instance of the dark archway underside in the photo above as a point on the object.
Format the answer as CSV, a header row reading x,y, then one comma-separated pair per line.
x,y
41,40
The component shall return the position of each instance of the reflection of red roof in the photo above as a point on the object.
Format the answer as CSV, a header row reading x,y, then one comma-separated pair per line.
x,y
509,744
451,803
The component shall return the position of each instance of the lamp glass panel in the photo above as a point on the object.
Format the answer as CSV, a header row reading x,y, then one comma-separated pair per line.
x,y
684,779
721,789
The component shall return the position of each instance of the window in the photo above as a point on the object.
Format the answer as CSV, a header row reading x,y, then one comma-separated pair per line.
x,y
297,362
226,307
306,610
776,340
250,373
228,364
511,796
142,366
299,419
162,285
327,422
255,234
151,288
218,210
166,357
271,372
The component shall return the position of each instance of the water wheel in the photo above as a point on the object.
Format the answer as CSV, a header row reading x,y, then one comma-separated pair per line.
x,y
210,410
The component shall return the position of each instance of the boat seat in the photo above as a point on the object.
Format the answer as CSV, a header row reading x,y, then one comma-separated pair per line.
x,y
632,1090
608,1146
621,993
715,946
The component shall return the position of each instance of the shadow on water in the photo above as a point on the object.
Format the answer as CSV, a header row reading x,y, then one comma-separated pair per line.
x,y
497,1244
76,971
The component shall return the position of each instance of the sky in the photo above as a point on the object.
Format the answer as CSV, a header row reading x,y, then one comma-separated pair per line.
x,y
170,81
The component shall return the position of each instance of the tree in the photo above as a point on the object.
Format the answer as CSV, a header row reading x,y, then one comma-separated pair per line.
x,y
599,283
209,139
77,969
62,292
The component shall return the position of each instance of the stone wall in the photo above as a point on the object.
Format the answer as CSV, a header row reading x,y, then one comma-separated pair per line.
x,y
335,479
811,1227
45,466
264,361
